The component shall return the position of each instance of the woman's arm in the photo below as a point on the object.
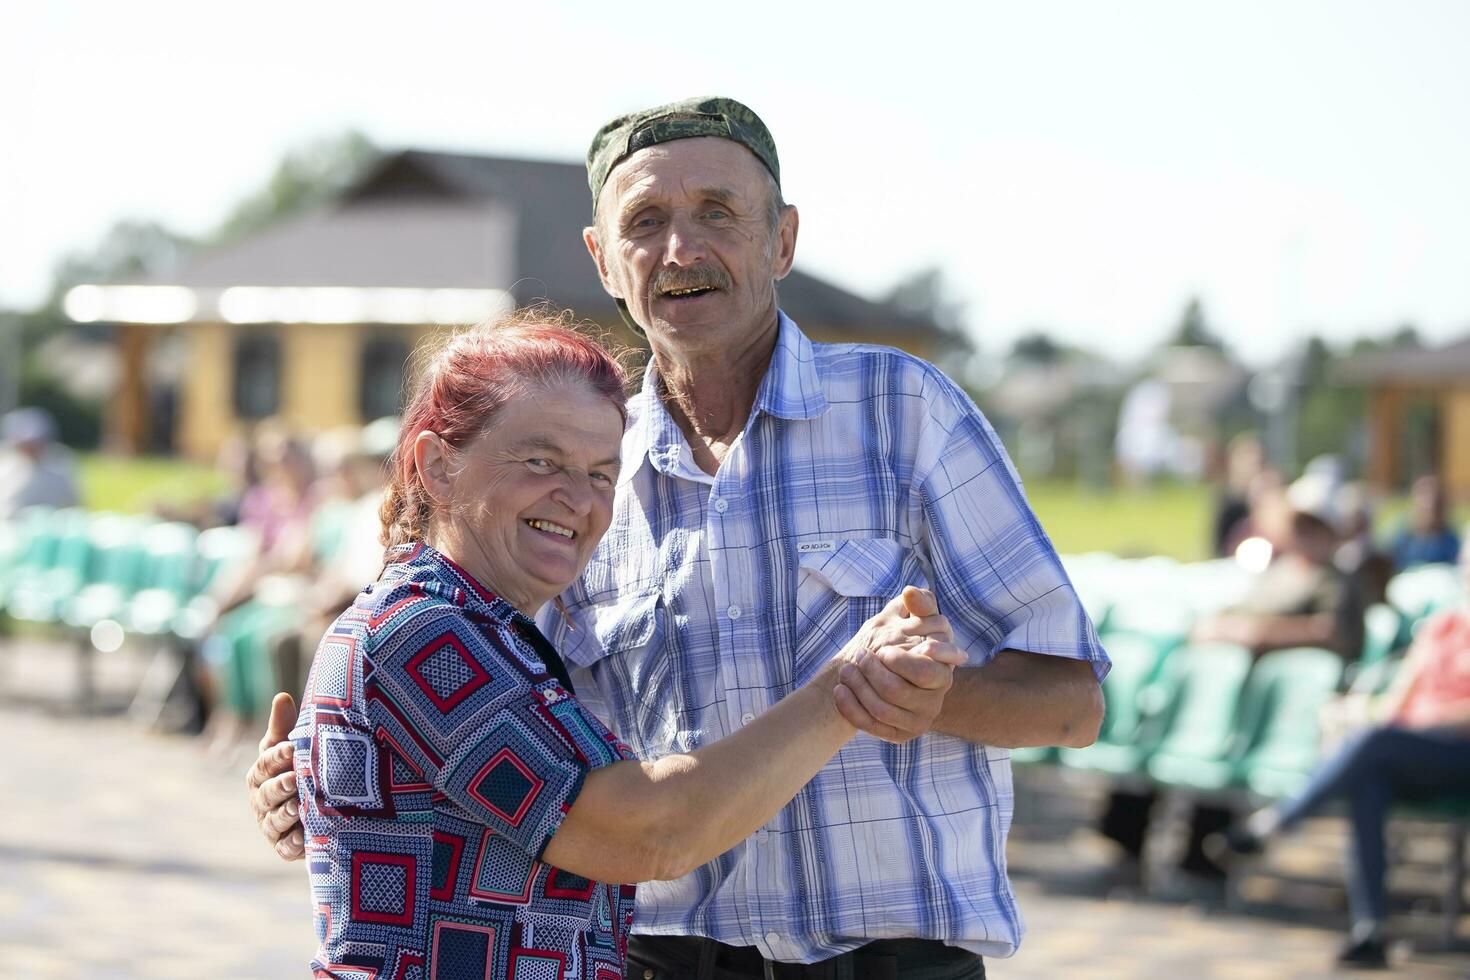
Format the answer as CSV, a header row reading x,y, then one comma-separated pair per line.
x,y
637,821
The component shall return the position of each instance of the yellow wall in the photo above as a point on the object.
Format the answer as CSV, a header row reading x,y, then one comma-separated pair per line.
x,y
319,365
319,380
206,416
1455,449
319,377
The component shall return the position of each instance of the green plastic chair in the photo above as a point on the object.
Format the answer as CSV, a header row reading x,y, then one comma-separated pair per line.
x,y
1418,592
169,560
36,597
1124,742
1278,734
31,538
1384,633
115,564
1194,749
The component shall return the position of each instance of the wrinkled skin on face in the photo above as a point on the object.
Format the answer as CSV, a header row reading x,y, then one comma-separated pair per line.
x,y
685,237
523,504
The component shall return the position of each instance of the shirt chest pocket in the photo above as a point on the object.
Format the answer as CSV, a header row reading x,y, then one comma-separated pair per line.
x,y
840,585
619,628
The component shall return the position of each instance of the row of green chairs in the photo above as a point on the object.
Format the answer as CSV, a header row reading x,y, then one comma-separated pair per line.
x,y
1205,718
73,569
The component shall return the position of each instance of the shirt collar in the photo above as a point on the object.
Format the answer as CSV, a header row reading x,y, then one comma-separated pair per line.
x,y
434,571
791,389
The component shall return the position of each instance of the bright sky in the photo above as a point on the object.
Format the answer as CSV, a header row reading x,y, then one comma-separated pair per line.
x,y
1078,167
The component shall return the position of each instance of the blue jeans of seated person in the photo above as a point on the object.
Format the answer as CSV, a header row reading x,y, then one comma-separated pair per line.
x,y
1372,772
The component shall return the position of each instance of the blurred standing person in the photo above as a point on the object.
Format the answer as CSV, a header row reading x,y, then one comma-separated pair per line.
x,y
35,470
1426,537
1419,751
1245,459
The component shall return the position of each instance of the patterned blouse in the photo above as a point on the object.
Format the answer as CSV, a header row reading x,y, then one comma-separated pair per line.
x,y
436,755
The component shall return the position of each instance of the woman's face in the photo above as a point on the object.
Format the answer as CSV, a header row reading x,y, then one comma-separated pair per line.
x,y
532,496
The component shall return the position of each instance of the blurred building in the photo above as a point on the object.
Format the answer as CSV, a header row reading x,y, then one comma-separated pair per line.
x,y
313,319
1419,414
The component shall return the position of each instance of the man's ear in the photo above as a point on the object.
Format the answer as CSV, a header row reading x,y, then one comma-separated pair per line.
x,y
594,248
785,251
430,460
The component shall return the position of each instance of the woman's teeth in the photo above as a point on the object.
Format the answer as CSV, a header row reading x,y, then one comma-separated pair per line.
x,y
565,532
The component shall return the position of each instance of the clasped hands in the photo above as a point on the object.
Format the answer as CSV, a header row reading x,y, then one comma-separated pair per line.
x,y
893,675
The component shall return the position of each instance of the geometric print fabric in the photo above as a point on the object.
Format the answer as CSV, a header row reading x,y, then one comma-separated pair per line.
x,y
427,799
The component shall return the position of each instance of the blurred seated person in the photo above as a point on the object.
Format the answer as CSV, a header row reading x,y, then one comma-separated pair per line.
x,y
346,548
1426,537
1419,750
278,510
1300,599
35,470
1265,507
1245,459
1358,556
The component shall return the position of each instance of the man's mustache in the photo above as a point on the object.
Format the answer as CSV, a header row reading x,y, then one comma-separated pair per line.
x,y
696,277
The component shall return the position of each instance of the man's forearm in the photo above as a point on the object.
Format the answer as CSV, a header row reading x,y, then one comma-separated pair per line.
x,y
1022,699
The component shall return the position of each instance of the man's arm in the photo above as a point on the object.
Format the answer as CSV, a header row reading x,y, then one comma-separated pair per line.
x,y
1021,699
1017,699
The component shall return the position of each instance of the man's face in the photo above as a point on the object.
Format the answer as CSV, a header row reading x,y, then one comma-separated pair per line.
x,y
684,236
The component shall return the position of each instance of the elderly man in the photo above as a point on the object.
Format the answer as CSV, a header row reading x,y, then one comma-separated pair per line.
x,y
774,494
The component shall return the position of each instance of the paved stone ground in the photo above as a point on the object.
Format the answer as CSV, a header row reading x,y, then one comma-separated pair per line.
x,y
129,855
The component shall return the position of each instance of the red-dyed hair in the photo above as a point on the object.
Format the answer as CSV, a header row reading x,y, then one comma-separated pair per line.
x,y
464,383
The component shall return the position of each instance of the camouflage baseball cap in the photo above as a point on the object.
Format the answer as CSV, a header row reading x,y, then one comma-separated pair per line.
x,y
620,138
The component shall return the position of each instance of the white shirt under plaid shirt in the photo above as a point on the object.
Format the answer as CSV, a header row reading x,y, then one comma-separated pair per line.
x,y
862,469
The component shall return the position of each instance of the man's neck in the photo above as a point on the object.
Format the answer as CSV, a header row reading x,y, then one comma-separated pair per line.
x,y
710,394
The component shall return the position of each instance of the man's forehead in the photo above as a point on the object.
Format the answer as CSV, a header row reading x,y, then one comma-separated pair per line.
x,y
703,162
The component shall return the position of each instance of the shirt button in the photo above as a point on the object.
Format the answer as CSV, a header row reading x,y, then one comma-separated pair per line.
x,y
772,938
762,836
733,612
721,505
747,718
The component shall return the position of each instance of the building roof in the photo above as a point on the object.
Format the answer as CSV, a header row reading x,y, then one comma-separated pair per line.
x,y
1432,366
429,220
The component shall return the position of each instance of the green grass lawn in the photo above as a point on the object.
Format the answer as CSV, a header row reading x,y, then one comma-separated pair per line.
x,y
134,484
1171,520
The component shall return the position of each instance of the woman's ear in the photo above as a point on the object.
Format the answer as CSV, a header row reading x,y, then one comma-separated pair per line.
x,y
430,460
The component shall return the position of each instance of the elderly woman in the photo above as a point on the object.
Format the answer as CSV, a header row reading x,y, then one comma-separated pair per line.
x,y
465,815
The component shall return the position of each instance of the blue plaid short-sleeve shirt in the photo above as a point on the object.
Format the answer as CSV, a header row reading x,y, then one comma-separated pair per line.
x,y
862,469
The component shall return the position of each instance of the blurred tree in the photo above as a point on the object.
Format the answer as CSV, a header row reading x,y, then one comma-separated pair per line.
x,y
1330,416
1036,347
925,293
1194,331
306,177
